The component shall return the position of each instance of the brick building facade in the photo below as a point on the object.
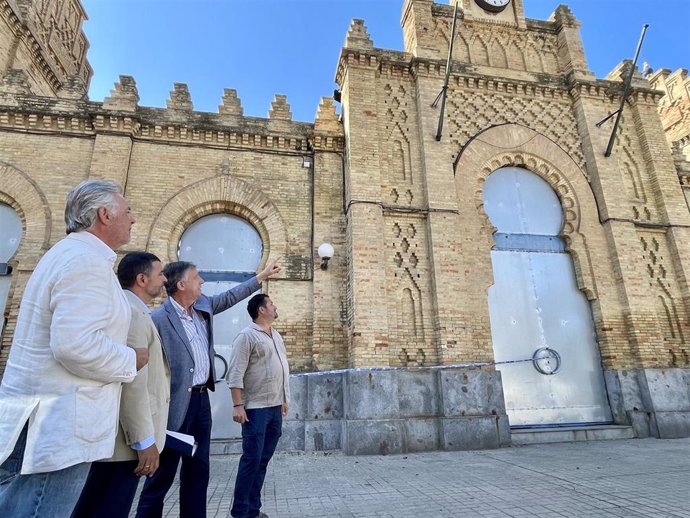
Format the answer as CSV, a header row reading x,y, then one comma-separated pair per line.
x,y
408,290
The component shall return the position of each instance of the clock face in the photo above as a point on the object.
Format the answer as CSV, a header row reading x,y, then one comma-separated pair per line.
x,y
494,6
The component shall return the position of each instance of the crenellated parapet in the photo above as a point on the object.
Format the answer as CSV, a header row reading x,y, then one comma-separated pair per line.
x,y
21,110
180,102
124,96
327,120
329,133
231,107
280,109
358,37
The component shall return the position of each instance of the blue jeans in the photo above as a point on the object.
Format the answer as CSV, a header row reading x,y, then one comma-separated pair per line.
x,y
194,474
259,440
39,495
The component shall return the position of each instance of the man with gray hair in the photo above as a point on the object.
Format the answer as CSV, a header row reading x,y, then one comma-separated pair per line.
x,y
61,388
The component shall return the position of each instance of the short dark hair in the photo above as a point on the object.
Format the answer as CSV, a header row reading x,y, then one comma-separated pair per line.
x,y
256,302
174,273
132,265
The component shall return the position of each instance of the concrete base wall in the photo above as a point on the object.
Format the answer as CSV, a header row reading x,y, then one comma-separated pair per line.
x,y
655,402
381,411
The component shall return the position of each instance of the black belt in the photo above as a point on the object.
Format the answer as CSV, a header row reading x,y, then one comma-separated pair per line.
x,y
199,388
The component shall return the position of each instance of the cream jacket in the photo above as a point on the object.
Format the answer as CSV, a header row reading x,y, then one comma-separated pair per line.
x,y
68,359
144,404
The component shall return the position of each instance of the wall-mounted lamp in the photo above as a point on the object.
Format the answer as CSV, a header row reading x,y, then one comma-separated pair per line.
x,y
325,253
6,269
337,95
306,162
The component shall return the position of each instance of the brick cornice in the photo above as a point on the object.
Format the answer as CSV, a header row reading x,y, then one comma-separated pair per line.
x,y
120,124
76,124
394,63
549,86
328,143
612,90
151,125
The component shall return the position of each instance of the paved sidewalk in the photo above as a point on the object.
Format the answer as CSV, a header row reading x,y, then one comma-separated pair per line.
x,y
630,478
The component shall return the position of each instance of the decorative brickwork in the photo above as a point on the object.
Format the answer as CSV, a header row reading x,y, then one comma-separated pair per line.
x,y
633,171
674,106
474,105
499,47
214,196
409,319
45,38
671,314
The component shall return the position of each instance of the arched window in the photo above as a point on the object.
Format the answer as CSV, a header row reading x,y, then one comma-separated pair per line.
x,y
10,236
227,251
525,210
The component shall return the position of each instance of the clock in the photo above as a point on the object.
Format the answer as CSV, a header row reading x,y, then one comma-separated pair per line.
x,y
493,6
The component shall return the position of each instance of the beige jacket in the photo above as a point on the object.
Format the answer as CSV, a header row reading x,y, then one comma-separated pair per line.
x,y
258,365
144,403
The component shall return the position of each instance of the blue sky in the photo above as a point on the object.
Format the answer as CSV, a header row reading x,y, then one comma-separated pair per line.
x,y
265,47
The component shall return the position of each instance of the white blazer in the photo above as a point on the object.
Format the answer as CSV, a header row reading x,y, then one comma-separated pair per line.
x,y
68,359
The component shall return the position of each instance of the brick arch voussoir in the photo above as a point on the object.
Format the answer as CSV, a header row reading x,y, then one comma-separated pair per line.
x,y
542,168
220,195
21,193
526,148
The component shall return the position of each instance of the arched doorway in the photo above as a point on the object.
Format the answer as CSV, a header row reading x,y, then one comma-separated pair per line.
x,y
227,251
536,308
10,236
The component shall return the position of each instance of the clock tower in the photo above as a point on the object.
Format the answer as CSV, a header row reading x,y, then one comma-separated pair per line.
x,y
504,12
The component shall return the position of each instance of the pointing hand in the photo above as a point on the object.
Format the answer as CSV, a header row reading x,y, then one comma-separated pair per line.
x,y
271,269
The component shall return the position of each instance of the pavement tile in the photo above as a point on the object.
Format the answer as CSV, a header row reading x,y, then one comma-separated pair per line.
x,y
629,478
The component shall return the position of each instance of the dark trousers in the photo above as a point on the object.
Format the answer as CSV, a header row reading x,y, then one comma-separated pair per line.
x,y
259,440
194,474
109,490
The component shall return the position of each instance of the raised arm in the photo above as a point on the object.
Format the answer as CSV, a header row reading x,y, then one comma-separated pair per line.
x,y
229,298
